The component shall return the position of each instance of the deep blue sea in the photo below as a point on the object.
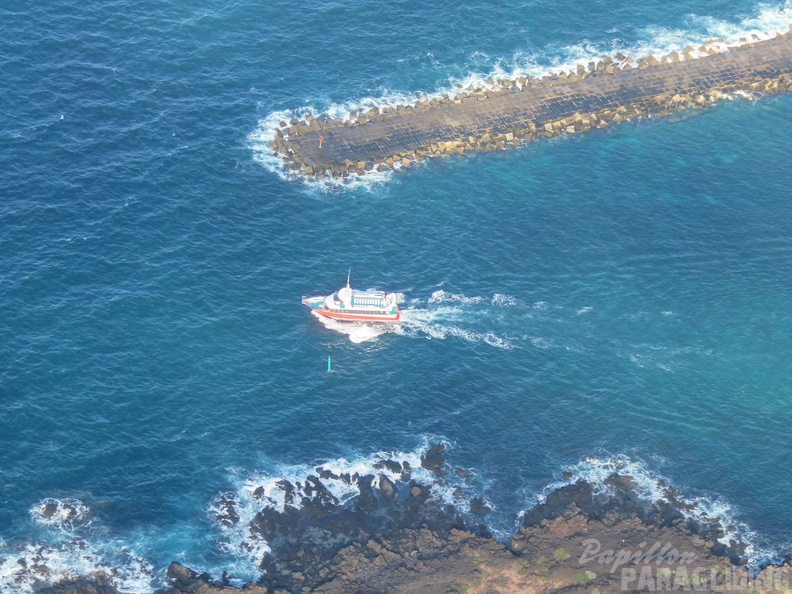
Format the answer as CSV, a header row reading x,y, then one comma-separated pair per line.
x,y
618,300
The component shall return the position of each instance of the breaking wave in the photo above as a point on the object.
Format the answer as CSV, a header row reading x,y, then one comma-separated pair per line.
x,y
73,545
64,514
259,139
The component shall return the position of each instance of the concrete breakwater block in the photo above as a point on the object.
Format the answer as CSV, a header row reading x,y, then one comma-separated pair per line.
x,y
506,113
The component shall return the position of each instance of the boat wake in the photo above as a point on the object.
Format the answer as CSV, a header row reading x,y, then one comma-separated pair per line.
x,y
440,323
505,322
444,315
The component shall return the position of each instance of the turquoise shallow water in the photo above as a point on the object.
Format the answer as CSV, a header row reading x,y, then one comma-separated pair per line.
x,y
622,295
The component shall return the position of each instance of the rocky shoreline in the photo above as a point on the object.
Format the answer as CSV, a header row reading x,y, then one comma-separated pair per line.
x,y
506,113
396,536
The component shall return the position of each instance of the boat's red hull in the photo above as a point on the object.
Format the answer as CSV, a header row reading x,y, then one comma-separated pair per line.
x,y
357,317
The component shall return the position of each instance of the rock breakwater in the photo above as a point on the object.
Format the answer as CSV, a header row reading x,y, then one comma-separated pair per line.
x,y
507,113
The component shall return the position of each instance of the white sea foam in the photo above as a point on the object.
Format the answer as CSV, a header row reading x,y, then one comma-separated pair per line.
x,y
540,343
53,564
597,469
65,514
447,321
662,357
548,343
716,34
259,139
75,547
768,20
238,540
503,300
442,296
643,362
441,331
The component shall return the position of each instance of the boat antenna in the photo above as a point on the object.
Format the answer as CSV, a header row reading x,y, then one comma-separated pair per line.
x,y
349,276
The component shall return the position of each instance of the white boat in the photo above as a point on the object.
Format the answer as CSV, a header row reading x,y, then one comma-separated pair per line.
x,y
350,305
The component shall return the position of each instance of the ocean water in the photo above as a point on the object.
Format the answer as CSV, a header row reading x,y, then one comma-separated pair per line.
x,y
618,300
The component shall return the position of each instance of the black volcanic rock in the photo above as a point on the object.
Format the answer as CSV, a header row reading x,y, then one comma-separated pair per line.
x,y
88,585
307,541
391,465
269,521
227,513
434,458
317,498
326,474
181,575
367,500
621,501
387,487
479,507
558,502
288,491
49,510
70,512
186,581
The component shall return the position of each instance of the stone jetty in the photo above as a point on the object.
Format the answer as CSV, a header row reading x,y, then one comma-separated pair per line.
x,y
506,113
